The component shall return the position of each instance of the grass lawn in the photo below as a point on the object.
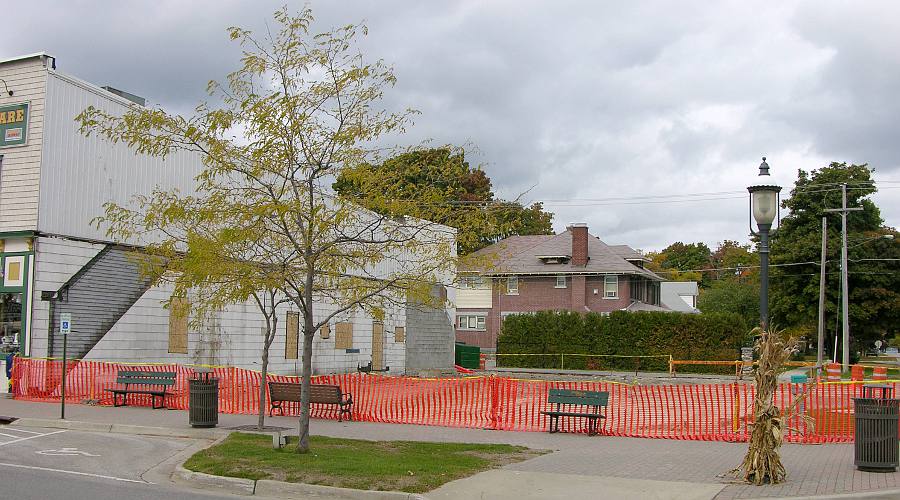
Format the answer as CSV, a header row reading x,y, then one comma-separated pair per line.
x,y
409,466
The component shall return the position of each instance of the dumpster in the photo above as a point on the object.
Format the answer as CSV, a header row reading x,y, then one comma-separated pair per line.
x,y
468,356
876,429
203,405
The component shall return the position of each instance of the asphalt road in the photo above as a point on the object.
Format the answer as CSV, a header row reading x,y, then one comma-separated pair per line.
x,y
51,463
43,485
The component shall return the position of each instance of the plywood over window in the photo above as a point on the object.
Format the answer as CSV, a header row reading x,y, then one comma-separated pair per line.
x,y
399,334
179,310
292,340
343,336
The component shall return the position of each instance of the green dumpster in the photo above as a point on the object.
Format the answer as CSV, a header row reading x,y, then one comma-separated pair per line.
x,y
468,356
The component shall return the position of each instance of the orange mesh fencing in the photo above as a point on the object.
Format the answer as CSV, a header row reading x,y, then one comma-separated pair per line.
x,y
711,412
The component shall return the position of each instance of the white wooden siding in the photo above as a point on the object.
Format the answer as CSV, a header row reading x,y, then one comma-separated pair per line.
x,y
56,260
19,184
80,174
471,298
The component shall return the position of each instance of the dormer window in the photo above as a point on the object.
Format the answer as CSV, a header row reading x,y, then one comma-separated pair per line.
x,y
554,259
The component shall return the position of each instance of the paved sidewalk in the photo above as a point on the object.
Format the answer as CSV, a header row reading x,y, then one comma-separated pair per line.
x,y
642,463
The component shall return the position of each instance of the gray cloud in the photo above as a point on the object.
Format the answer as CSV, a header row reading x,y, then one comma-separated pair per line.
x,y
582,100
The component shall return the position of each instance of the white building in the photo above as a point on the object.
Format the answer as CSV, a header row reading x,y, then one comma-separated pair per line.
x,y
53,182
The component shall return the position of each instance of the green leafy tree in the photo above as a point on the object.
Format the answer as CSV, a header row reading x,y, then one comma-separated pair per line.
x,y
734,261
301,109
681,262
874,284
438,184
739,296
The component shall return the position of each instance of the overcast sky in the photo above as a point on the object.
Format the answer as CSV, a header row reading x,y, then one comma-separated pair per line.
x,y
601,109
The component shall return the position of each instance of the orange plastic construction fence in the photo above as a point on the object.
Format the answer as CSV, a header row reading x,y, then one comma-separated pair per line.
x,y
715,412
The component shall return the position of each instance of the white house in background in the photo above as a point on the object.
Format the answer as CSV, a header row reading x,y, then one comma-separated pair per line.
x,y
679,295
53,182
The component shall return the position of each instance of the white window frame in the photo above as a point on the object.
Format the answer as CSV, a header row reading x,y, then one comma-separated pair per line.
x,y
471,282
560,277
610,279
471,322
512,285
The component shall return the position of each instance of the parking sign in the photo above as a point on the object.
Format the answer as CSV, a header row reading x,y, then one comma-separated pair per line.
x,y
65,323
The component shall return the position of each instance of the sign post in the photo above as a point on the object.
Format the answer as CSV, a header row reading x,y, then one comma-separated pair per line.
x,y
65,326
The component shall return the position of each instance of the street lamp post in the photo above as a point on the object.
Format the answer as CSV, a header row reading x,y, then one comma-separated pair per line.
x,y
764,208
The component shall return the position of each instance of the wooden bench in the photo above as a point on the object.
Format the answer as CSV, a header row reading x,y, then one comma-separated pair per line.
x,y
574,401
152,383
280,392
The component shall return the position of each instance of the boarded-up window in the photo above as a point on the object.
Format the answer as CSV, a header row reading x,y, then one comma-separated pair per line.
x,y
179,309
325,331
343,336
399,334
292,329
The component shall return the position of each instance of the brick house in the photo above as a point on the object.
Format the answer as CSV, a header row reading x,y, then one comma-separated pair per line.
x,y
572,271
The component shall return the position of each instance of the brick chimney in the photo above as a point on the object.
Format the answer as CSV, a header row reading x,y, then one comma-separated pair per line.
x,y
579,243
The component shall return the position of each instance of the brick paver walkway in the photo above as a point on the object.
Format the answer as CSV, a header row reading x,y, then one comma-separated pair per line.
x,y
812,469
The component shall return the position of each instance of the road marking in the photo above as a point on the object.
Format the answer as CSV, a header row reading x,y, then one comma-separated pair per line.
x,y
15,429
10,435
46,469
66,452
30,437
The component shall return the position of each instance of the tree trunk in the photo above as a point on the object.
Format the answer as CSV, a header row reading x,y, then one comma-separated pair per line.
x,y
261,423
303,444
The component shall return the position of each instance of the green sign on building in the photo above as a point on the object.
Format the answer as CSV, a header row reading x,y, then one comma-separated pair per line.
x,y
13,124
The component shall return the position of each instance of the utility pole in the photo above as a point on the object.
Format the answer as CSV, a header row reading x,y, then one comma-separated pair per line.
x,y
845,365
821,343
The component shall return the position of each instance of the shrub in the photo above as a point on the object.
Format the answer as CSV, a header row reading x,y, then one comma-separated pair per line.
x,y
716,336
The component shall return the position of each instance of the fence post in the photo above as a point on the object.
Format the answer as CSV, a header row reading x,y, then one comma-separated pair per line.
x,y
737,408
562,361
493,383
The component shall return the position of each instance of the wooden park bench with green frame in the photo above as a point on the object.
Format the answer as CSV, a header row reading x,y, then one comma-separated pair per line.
x,y
577,404
143,382
281,392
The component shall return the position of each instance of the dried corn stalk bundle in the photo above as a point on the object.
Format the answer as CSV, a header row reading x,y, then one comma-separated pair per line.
x,y
762,464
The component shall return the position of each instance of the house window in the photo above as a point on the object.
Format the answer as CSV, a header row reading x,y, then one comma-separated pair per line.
x,y
560,281
610,287
179,309
471,282
512,285
471,322
343,336
292,335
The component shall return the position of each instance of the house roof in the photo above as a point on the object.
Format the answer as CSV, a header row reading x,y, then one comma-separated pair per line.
x,y
520,255
640,306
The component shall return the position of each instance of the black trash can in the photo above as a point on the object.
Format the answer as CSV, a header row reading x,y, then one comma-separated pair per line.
x,y
203,406
876,430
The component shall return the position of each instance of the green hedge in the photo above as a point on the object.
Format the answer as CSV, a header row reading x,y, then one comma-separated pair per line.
x,y
683,336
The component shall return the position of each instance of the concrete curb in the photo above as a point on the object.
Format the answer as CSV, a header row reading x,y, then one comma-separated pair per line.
x,y
228,484
279,489
77,425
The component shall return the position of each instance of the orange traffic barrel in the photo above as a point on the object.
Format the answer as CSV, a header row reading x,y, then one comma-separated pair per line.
x,y
879,373
833,372
857,372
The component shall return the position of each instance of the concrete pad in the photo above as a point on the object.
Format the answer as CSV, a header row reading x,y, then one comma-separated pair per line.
x,y
516,485
143,430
